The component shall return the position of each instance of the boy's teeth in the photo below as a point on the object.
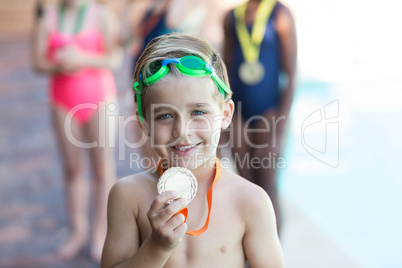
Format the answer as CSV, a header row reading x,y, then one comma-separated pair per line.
x,y
184,148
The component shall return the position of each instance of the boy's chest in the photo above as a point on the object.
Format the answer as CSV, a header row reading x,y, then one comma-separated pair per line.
x,y
219,246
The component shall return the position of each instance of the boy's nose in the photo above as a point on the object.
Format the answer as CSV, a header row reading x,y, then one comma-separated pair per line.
x,y
180,127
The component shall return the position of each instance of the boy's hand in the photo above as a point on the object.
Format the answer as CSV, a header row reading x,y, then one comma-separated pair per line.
x,y
168,227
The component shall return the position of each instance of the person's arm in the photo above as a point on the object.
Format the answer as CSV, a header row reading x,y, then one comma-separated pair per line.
x,y
285,28
179,12
261,242
40,62
122,245
110,29
229,40
134,12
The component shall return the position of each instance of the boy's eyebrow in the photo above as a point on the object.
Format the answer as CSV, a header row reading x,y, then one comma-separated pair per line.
x,y
199,104
160,108
194,104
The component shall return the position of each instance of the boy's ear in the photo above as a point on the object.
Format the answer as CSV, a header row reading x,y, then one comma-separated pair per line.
x,y
143,125
228,111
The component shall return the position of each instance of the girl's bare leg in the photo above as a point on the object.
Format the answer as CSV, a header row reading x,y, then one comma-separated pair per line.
x,y
102,129
76,185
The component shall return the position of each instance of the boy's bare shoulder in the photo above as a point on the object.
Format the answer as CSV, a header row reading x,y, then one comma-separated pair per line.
x,y
134,187
139,178
249,200
138,182
244,192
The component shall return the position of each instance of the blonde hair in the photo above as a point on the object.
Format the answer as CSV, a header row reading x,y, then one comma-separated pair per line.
x,y
177,45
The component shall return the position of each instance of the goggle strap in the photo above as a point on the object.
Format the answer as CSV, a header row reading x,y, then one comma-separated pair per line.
x,y
139,107
221,85
138,99
136,87
209,68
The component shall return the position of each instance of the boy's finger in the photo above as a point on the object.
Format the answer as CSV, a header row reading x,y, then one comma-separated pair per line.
x,y
180,230
174,222
161,200
171,209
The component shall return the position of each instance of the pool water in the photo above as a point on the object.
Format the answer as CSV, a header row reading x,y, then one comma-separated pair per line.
x,y
343,171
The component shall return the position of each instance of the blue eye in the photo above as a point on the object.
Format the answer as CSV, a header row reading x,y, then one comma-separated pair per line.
x,y
198,113
164,116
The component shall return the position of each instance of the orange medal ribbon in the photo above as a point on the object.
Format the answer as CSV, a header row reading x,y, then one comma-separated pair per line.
x,y
184,211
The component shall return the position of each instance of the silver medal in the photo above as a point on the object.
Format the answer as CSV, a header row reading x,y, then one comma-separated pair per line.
x,y
180,180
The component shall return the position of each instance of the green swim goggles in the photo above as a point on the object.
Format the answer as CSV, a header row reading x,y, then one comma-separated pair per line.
x,y
189,65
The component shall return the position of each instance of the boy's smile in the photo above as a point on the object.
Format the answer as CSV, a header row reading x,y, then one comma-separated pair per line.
x,y
184,150
184,120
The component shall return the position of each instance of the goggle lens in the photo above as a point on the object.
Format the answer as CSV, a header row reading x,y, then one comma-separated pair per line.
x,y
155,67
192,62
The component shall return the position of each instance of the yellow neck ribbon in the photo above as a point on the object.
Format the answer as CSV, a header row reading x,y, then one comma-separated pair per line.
x,y
251,44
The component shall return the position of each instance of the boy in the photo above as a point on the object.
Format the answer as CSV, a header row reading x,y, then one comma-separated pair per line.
x,y
183,102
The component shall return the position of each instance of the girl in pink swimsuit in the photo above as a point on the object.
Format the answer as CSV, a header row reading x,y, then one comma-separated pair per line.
x,y
75,43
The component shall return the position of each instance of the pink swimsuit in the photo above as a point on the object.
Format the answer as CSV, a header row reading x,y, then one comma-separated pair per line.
x,y
85,89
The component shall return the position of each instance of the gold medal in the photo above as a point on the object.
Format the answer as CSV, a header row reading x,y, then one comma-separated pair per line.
x,y
251,73
180,180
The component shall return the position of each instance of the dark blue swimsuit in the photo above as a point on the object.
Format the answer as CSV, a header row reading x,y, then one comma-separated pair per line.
x,y
159,29
257,99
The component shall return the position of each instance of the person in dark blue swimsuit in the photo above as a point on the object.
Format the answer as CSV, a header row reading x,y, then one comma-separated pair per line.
x,y
153,25
260,97
262,102
149,22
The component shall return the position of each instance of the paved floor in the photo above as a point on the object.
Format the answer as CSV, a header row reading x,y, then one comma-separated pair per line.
x,y
32,215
